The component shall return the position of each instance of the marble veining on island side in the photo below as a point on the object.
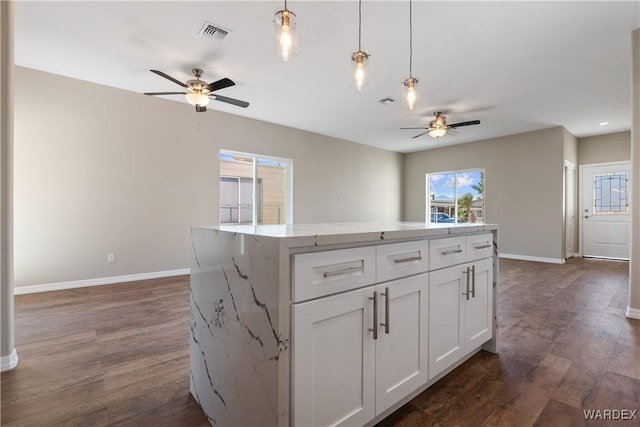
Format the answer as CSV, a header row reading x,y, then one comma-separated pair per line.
x,y
234,323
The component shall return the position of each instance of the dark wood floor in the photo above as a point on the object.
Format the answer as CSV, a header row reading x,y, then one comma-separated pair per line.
x,y
118,355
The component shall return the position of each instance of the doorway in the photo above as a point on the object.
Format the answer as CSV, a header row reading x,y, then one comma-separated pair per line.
x,y
569,208
605,210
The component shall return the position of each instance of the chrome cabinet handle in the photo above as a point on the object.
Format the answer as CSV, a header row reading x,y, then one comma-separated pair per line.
x,y
386,310
375,315
341,272
466,293
482,247
408,259
453,251
473,281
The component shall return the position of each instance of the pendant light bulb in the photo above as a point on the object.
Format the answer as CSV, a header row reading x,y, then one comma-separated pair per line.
x,y
410,97
285,37
359,74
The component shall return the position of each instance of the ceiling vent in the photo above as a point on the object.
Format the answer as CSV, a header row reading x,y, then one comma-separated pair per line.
x,y
214,31
386,100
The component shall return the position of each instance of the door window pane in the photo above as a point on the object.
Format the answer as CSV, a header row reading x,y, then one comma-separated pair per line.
x,y
611,193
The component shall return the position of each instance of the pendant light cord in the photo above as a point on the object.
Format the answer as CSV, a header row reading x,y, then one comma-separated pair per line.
x,y
410,41
359,25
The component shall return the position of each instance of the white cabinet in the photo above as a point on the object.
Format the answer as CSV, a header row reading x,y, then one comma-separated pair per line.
x,y
401,355
333,360
374,324
344,372
460,312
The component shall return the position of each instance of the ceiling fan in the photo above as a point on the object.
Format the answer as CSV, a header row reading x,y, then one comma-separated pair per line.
x,y
198,92
438,127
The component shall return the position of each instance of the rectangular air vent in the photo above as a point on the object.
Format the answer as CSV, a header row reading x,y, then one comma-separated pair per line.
x,y
214,31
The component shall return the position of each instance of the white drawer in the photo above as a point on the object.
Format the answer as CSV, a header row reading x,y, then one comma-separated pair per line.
x,y
446,252
479,246
323,273
401,259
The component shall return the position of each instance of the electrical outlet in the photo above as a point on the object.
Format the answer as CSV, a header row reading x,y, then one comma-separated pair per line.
x,y
111,258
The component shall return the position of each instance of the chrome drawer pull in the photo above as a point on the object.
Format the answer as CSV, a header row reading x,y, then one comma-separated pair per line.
x,y
473,281
375,315
482,247
453,251
341,272
386,310
466,294
409,259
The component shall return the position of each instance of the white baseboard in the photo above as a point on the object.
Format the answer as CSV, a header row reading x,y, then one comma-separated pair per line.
x,y
633,313
30,289
533,258
9,362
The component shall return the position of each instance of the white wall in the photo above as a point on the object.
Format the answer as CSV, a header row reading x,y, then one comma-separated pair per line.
x,y
523,181
101,170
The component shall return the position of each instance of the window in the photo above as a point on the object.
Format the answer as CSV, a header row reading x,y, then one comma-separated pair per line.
x,y
611,193
455,197
254,189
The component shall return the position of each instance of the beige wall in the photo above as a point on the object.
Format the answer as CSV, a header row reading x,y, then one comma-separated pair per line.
x,y
524,191
613,147
100,170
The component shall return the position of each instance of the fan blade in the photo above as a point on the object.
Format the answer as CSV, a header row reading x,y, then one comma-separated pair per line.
x,y
165,93
457,125
416,128
243,104
161,74
420,134
201,108
220,84
451,131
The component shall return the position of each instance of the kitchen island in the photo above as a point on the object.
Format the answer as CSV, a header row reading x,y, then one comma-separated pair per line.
x,y
334,324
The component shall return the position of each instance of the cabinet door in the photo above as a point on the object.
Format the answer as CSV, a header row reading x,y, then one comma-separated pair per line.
x,y
333,360
401,355
479,308
446,318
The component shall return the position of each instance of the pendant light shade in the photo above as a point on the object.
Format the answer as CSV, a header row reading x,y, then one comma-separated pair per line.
x,y
285,33
409,95
359,57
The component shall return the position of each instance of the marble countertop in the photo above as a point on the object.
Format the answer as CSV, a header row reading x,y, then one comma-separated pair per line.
x,y
299,235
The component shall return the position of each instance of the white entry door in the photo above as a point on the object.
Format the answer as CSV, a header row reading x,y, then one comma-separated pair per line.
x,y
606,210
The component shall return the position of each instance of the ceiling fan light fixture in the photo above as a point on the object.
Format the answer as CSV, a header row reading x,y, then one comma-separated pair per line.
x,y
437,132
197,98
285,33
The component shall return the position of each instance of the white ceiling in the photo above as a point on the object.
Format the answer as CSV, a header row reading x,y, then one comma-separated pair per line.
x,y
516,66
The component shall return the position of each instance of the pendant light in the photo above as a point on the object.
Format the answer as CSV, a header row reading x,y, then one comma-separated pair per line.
x,y
360,56
285,33
409,85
